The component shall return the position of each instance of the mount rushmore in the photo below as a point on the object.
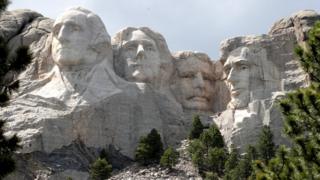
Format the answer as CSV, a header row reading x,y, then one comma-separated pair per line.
x,y
85,87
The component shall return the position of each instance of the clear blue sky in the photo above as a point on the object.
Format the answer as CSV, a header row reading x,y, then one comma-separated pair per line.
x,y
198,25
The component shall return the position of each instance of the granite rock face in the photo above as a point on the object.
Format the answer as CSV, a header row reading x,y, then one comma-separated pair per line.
x,y
85,91
258,70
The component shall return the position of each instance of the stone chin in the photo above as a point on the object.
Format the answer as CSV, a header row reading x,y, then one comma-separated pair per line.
x,y
196,103
140,75
239,102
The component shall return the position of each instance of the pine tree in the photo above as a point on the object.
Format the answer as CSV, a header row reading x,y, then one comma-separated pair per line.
x,y
244,168
232,161
9,67
215,160
7,147
149,149
197,151
169,158
100,169
212,137
197,128
208,152
301,110
265,145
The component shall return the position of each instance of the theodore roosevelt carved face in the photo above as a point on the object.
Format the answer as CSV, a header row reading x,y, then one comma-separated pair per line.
x,y
193,88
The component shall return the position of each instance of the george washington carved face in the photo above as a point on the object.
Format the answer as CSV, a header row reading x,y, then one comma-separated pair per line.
x,y
76,37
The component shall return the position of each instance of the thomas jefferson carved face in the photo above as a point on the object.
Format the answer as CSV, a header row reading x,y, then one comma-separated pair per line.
x,y
194,86
72,38
141,56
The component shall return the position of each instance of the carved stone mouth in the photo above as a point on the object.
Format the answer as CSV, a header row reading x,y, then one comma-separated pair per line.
x,y
198,98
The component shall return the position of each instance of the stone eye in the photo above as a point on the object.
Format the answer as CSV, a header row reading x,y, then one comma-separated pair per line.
x,y
149,48
76,28
243,67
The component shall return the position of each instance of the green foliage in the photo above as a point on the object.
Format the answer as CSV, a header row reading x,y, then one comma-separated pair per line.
x,y
7,147
309,55
104,155
149,149
212,137
196,150
301,110
100,169
265,145
232,161
215,160
197,128
4,4
169,158
208,152
211,176
9,66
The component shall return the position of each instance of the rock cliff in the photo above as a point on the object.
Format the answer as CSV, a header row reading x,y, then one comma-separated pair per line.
x,y
85,90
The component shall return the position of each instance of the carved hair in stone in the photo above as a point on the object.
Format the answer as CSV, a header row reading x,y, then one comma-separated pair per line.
x,y
76,59
142,55
193,87
78,37
250,75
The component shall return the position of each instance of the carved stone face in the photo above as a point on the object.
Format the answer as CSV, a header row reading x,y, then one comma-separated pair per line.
x,y
194,86
237,70
71,40
141,56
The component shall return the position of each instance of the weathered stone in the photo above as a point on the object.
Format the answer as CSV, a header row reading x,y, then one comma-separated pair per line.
x,y
258,71
81,94
70,91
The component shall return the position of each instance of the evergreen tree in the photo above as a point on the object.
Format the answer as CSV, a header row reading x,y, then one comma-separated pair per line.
x,y
301,110
169,158
9,67
244,168
197,151
104,155
215,160
211,176
265,145
212,137
100,169
197,128
232,161
7,147
208,152
149,149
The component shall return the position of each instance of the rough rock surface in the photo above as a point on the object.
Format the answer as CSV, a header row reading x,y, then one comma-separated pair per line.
x,y
93,94
271,70
182,170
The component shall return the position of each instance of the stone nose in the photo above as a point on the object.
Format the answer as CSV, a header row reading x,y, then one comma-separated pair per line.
x,y
232,76
140,52
198,81
63,34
